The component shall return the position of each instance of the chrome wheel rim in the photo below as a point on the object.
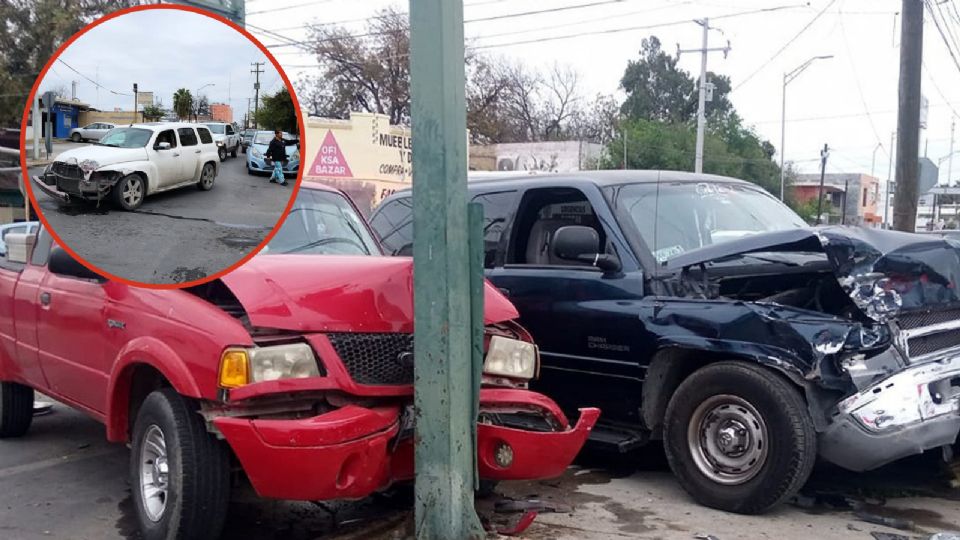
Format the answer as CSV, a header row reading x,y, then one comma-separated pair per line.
x,y
222,153
727,438
132,191
206,177
154,473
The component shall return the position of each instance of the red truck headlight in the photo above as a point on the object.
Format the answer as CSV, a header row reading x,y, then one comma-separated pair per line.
x,y
241,366
511,358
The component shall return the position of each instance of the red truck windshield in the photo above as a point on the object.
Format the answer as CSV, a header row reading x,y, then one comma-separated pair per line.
x,y
323,223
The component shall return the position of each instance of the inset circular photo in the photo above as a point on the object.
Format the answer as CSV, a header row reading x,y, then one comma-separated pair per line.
x,y
162,146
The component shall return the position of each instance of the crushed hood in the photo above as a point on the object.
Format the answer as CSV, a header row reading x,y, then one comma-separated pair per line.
x,y
314,293
884,272
103,155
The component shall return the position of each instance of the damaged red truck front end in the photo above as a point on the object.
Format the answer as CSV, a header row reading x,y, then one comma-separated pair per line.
x,y
346,430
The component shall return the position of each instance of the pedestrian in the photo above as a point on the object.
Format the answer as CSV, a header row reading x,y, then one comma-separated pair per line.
x,y
277,152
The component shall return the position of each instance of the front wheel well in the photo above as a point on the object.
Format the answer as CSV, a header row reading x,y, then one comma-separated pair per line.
x,y
669,368
133,386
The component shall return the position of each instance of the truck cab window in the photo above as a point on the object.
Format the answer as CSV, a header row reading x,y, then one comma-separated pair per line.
x,y
541,213
394,225
498,210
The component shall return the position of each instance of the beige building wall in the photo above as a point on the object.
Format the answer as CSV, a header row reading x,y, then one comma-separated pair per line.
x,y
113,117
364,156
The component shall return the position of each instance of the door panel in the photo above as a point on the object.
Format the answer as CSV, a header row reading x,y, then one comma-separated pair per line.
x,y
167,161
71,329
588,330
190,153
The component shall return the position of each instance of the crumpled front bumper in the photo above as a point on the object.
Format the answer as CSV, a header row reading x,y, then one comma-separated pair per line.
x,y
914,410
354,451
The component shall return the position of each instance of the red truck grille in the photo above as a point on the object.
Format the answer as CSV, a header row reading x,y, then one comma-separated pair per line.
x,y
376,359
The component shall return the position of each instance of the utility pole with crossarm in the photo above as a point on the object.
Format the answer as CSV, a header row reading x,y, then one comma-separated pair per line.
x,y
701,108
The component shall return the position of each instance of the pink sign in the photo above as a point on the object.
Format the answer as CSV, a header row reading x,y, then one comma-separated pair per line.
x,y
329,161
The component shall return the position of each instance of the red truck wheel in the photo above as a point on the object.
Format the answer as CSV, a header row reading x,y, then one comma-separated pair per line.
x,y
16,409
179,473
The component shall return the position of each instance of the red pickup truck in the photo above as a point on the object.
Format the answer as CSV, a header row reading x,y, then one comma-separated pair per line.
x,y
296,369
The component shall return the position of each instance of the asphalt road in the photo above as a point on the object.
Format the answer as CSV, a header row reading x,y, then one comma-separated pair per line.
x,y
63,481
175,236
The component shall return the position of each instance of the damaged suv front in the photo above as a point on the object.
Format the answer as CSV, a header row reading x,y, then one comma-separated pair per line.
x,y
320,406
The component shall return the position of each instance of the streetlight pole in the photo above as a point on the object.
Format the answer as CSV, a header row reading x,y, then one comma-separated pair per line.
x,y
787,79
197,97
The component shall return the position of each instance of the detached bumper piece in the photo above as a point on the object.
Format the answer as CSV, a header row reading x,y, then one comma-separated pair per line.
x,y
505,453
344,454
907,413
50,190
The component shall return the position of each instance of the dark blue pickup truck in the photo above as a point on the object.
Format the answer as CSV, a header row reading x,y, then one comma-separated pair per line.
x,y
700,311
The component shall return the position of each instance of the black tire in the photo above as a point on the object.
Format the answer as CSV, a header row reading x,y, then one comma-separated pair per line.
x,y
222,153
243,149
233,153
123,192
207,177
790,445
76,138
16,409
198,487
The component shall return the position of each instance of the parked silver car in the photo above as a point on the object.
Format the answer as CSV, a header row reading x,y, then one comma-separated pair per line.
x,y
90,132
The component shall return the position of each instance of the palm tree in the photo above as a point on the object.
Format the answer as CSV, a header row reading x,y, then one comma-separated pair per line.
x,y
182,103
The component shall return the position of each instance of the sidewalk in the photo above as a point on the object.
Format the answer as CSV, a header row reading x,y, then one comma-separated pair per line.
x,y
59,146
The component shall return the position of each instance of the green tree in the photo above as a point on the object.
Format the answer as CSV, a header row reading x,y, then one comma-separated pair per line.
x,y
153,112
659,90
182,103
31,32
278,112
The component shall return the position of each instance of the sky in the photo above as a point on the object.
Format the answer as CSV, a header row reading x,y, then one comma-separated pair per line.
x,y
162,51
848,101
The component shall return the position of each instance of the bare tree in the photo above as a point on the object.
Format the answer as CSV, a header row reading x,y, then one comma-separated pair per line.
x,y
370,71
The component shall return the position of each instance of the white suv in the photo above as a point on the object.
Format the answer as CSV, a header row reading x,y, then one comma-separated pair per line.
x,y
131,162
226,137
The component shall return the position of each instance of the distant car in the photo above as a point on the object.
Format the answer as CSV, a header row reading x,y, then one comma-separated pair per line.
x,y
90,132
131,162
257,163
226,137
21,227
246,136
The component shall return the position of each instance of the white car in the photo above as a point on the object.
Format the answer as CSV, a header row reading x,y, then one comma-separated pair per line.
x,y
90,132
226,137
131,162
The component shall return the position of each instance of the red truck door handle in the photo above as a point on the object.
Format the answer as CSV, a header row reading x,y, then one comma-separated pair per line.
x,y
45,299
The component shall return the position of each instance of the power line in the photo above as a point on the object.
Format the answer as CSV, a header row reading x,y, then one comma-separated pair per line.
x,y
543,11
937,87
949,28
98,85
294,6
942,35
642,27
784,47
856,79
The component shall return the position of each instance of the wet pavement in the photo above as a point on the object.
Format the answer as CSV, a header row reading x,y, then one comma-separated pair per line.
x,y
64,481
176,236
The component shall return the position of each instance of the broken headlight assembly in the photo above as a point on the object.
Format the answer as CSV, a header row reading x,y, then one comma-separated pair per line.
x,y
242,366
88,166
512,358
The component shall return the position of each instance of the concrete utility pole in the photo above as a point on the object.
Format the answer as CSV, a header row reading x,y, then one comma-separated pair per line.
x,y
448,279
953,125
256,88
787,79
824,154
37,127
886,205
908,117
701,108
135,103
